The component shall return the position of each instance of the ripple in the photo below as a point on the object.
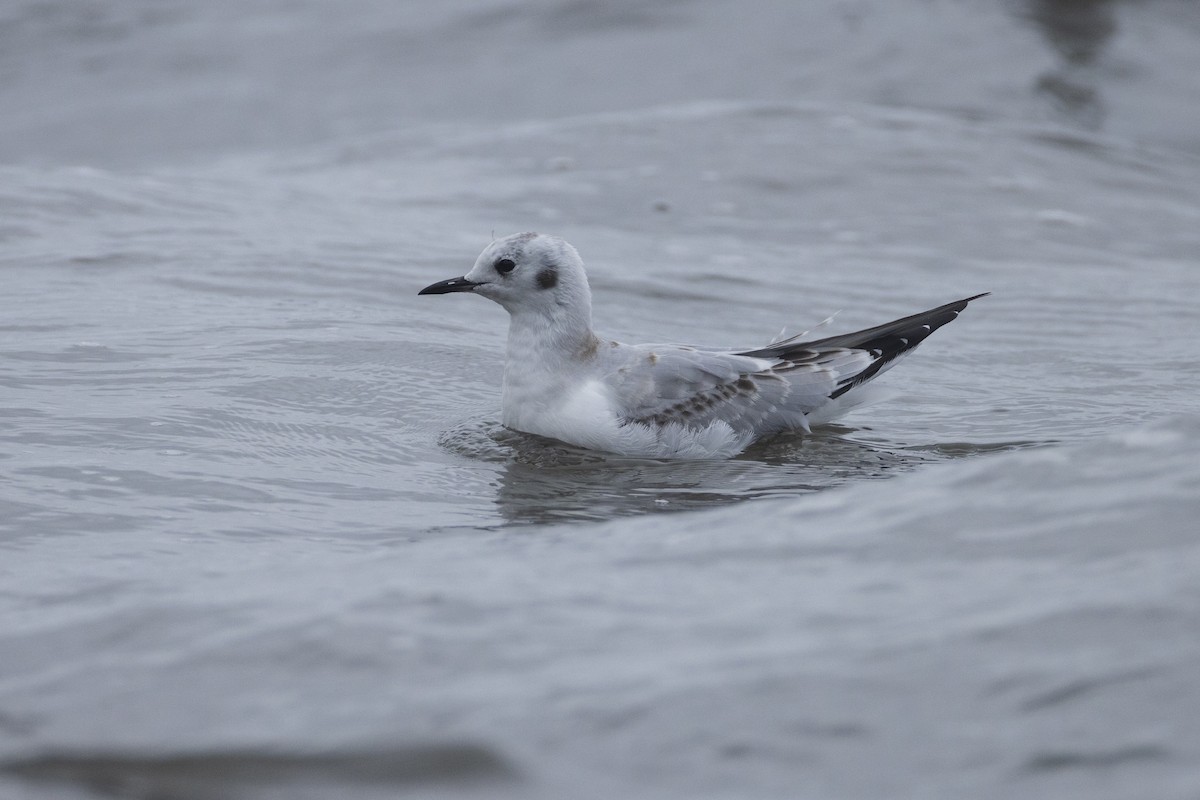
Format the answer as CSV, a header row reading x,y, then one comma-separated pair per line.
x,y
1059,760
969,449
246,774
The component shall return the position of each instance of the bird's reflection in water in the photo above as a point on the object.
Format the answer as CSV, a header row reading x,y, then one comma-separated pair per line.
x,y
546,481
542,480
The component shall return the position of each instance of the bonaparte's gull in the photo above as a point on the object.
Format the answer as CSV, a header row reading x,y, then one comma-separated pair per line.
x,y
661,400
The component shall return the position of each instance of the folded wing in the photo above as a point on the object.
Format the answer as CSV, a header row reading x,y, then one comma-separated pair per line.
x,y
771,388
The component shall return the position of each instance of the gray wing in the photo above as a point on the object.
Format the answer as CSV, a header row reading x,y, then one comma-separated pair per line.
x,y
663,384
771,388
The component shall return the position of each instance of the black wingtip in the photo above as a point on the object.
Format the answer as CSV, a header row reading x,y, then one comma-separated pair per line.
x,y
891,340
911,328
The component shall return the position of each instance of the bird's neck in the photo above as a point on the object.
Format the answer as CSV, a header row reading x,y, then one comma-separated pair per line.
x,y
554,341
544,358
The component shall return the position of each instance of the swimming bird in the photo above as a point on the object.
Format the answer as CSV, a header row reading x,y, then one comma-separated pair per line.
x,y
563,381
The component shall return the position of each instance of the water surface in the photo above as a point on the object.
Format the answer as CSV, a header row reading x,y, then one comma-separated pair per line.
x,y
264,536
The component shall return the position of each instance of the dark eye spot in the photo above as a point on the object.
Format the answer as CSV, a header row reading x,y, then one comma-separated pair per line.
x,y
505,266
547,278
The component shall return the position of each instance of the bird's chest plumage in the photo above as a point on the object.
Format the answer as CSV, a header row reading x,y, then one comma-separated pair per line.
x,y
556,408
527,395
547,389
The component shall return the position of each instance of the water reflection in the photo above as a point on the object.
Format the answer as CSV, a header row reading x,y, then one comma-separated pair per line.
x,y
1079,31
545,481
541,480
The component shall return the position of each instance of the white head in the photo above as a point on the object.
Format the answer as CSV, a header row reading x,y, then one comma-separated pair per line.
x,y
528,274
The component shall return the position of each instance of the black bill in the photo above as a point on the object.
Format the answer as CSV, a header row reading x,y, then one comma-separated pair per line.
x,y
452,285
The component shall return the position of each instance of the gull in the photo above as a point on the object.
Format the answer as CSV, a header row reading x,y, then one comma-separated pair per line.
x,y
564,382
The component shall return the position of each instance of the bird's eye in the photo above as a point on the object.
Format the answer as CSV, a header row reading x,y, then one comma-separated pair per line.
x,y
505,266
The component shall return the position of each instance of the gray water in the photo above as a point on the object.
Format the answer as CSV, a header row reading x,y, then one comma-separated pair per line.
x,y
263,535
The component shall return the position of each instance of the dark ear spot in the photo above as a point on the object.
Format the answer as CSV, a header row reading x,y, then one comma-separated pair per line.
x,y
547,278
